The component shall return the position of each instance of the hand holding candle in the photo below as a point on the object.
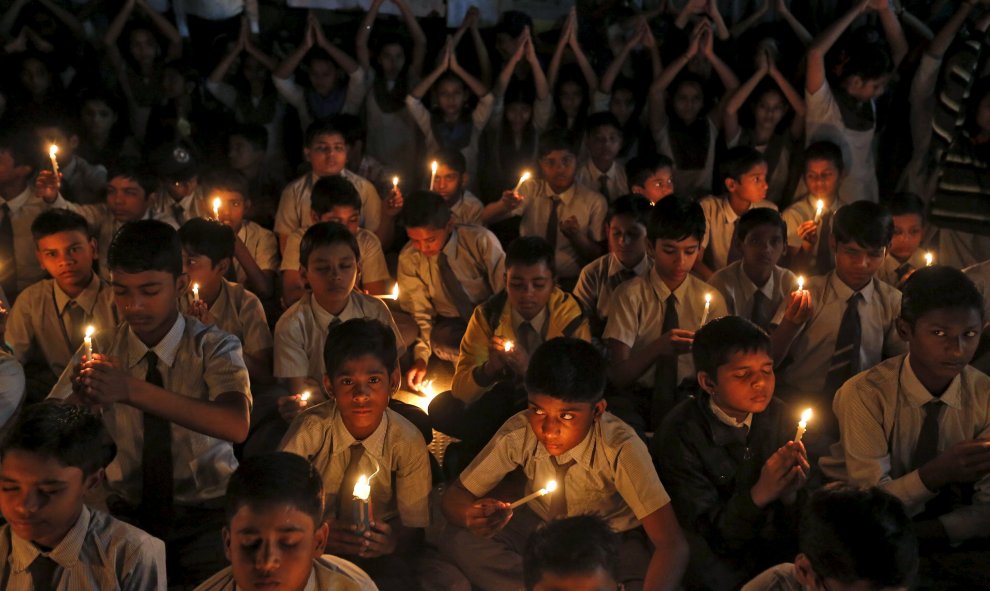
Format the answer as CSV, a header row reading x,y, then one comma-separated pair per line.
x,y
362,507
195,292
304,397
708,307
802,425
549,488
395,183
800,282
508,346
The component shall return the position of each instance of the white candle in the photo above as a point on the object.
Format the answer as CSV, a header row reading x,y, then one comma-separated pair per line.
x,y
708,306
216,208
929,259
800,283
88,342
395,183
802,425
525,177
508,346
433,175
819,210
362,492
549,488
52,151
195,292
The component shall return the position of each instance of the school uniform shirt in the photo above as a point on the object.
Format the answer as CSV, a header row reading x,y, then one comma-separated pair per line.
x,y
239,312
880,414
980,274
301,333
479,119
197,361
801,211
613,475
12,390
888,270
805,368
476,258
739,290
467,210
295,95
330,573
193,205
561,318
84,182
24,208
578,201
294,206
598,281
263,246
638,308
98,552
396,448
782,577
720,227
373,265
616,184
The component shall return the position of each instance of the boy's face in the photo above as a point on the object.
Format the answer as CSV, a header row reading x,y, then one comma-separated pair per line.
x,y
429,241
10,171
864,89
331,270
448,182
40,497
200,269
126,199
595,580
763,246
854,264
822,178
362,387
148,301
657,186
751,187
323,76
68,257
327,154
97,117
242,155
622,105
233,206
559,168
344,215
272,547
604,143
570,96
180,189
942,342
908,231
627,239
743,384
529,288
674,259
561,425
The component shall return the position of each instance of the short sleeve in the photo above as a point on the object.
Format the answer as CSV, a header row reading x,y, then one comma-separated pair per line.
x,y
623,317
291,355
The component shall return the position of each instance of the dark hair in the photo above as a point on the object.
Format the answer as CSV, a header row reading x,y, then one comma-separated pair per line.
x,y
23,146
602,119
322,127
275,479
326,234
635,206
144,176
53,221
676,218
146,245
527,251
859,534
60,121
356,338
720,338
738,161
209,238
938,288
351,127
866,223
907,203
554,140
452,159
70,434
318,54
760,216
254,134
425,209
567,369
865,58
573,545
825,150
227,179
333,191
644,166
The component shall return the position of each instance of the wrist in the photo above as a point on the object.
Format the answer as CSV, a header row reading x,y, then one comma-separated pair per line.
x,y
930,477
759,499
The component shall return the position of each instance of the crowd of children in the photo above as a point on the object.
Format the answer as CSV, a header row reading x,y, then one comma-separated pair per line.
x,y
310,299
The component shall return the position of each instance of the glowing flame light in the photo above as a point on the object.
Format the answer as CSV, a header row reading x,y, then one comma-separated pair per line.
x,y
362,488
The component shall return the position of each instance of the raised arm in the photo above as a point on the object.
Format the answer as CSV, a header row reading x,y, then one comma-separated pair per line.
x,y
940,44
658,90
117,24
343,60
613,70
289,65
558,54
735,101
747,23
65,17
418,57
892,30
220,72
724,72
262,57
364,33
718,24
174,50
476,86
420,90
539,78
793,97
590,77
470,24
505,77
815,75
799,30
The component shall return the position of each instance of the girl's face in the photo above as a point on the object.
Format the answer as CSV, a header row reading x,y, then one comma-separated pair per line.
x,y
253,71
769,109
323,76
571,97
392,58
623,105
450,97
143,47
983,114
863,89
35,77
97,117
518,115
688,101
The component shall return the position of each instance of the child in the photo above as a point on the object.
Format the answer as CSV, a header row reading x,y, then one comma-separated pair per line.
x,y
807,232
651,175
579,552
19,267
627,258
851,327
603,138
175,397
279,496
917,425
565,213
444,272
47,322
906,256
485,390
358,434
326,150
451,183
599,466
755,287
728,460
181,195
81,182
851,538
334,199
267,175
744,175
56,455
653,318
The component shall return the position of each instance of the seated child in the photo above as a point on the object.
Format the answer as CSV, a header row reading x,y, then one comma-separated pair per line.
x,y
81,181
53,457
627,258
579,552
445,270
267,174
755,287
175,397
598,463
48,321
807,232
451,183
181,195
851,538
728,461
917,425
651,175
601,171
843,322
334,199
744,174
274,531
568,215
905,256
357,434
653,318
487,384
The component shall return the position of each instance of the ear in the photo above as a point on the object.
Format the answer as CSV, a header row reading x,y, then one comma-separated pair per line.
x,y
96,250
395,381
464,179
706,382
306,154
182,283
904,329
225,533
832,243
599,408
93,480
328,386
320,539
314,217
804,573
224,265
302,274
731,184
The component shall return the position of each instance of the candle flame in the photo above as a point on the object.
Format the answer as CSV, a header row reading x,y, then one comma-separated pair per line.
x,y
819,206
216,206
395,292
708,298
362,488
800,280
395,182
52,150
805,417
195,287
434,166
525,177
90,330
551,486
508,346
929,259
305,395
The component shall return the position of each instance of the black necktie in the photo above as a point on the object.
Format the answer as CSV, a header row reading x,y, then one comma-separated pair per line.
x,y
553,222
77,318
845,357
735,249
823,253
903,270
178,213
603,186
927,448
619,278
345,495
558,498
665,388
334,323
453,287
8,265
529,338
42,571
760,314
156,507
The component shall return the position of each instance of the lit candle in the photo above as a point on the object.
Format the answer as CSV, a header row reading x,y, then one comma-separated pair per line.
x,y
304,397
88,342
216,207
819,210
195,292
433,175
362,508
800,283
929,259
708,306
802,425
525,177
52,151
549,488
395,183
508,346
427,393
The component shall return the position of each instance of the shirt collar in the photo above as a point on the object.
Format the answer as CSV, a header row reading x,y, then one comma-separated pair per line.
x,y
582,453
86,299
751,288
918,395
663,291
595,173
616,266
725,419
844,292
166,349
450,249
373,444
728,214
20,200
536,322
65,553
566,196
324,317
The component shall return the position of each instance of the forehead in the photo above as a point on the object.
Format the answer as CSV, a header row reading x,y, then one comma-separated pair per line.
x,y
270,516
550,403
61,238
604,130
538,271
821,166
907,219
361,364
335,251
758,168
740,358
765,231
342,212
423,232
124,182
624,221
29,465
228,195
558,155
687,243
125,279
328,138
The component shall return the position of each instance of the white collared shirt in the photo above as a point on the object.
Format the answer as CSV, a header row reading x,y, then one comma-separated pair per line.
x,y
720,226
739,290
589,175
294,211
594,287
